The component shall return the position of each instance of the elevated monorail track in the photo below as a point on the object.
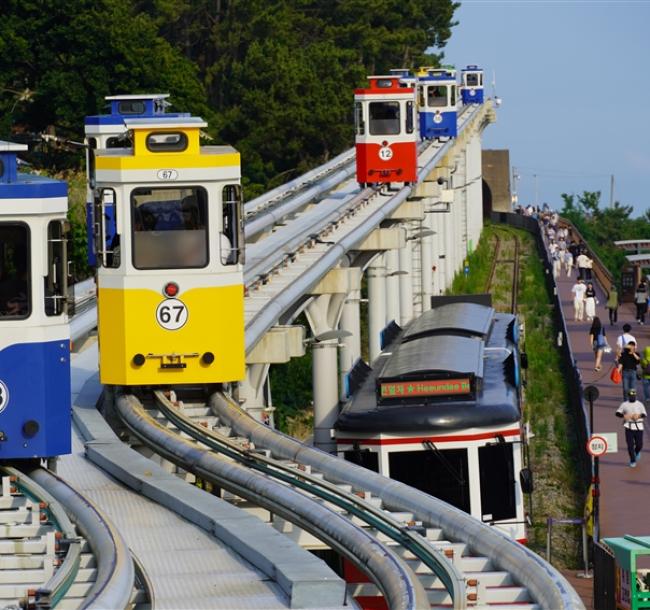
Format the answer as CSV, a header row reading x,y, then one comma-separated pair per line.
x,y
433,551
57,550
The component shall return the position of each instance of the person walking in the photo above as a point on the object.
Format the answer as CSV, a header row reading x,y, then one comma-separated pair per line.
x,y
627,362
589,265
582,262
624,339
568,263
590,301
578,290
612,305
641,302
557,263
633,413
645,373
598,341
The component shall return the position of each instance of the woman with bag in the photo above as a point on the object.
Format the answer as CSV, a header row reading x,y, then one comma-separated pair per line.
x,y
598,341
641,302
645,373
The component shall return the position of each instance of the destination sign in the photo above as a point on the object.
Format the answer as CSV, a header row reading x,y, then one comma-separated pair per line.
x,y
436,387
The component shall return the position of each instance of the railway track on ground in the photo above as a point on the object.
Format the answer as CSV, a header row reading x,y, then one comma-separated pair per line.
x,y
503,280
57,550
430,565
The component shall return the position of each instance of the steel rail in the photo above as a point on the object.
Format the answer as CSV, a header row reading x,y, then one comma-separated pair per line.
x,y
115,574
435,560
50,593
403,591
281,192
546,585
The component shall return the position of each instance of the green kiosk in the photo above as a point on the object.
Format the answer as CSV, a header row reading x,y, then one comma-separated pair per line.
x,y
632,582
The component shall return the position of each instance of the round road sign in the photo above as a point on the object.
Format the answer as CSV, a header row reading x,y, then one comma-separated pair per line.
x,y
591,393
597,445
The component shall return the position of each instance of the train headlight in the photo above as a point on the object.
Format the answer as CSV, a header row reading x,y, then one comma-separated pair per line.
x,y
208,358
171,289
30,428
138,359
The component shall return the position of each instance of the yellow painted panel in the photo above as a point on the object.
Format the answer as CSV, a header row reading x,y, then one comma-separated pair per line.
x,y
128,326
140,137
167,160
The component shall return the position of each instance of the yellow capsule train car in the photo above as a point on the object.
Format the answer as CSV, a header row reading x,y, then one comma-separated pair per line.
x,y
170,276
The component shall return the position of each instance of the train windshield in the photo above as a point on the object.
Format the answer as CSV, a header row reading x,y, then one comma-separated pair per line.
x,y
15,297
437,96
170,227
471,79
384,118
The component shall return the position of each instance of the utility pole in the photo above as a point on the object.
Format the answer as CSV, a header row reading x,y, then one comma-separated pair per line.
x,y
611,191
536,191
515,194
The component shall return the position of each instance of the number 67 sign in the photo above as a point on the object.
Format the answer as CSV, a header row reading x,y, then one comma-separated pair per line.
x,y
171,314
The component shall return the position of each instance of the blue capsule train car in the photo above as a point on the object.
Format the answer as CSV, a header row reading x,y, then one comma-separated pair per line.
x,y
471,85
437,103
109,131
34,333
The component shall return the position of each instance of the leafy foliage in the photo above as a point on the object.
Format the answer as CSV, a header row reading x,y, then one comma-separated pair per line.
x,y
601,227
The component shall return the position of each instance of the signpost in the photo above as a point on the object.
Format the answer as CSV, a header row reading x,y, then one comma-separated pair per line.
x,y
594,446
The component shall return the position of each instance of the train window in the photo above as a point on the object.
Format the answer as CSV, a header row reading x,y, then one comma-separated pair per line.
x,y
15,276
437,96
471,79
92,146
123,141
442,474
167,141
170,227
363,457
410,120
107,239
2,168
131,107
358,118
56,280
496,470
452,93
421,97
384,118
480,79
232,230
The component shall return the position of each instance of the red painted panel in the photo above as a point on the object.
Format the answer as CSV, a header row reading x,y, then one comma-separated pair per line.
x,y
395,162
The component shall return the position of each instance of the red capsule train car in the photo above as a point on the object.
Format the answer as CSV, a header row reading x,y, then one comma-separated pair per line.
x,y
386,131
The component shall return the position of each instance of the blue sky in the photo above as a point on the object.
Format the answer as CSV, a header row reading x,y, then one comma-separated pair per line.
x,y
575,82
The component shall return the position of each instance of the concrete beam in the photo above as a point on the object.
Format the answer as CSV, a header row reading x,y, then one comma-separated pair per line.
x,y
279,345
340,280
389,238
409,210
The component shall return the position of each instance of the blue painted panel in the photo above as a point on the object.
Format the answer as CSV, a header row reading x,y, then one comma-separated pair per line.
x,y
28,186
468,98
446,128
35,386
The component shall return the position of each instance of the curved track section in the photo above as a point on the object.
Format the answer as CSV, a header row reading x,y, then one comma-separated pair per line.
x,y
540,584
53,565
402,590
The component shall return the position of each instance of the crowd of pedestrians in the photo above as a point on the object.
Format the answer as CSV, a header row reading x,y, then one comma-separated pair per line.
x,y
631,364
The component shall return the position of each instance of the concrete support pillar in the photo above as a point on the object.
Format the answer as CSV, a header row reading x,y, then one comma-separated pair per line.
x,y
326,395
405,259
252,391
426,251
376,305
392,287
350,345
437,250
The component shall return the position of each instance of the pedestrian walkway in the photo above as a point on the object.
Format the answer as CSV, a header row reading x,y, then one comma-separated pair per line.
x,y
624,490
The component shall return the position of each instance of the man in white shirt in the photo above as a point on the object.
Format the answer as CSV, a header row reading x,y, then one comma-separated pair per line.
x,y
624,339
633,413
578,290
582,262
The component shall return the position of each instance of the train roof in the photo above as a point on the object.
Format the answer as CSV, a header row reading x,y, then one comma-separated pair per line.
x,y
166,120
472,68
16,185
467,319
494,402
153,105
439,354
